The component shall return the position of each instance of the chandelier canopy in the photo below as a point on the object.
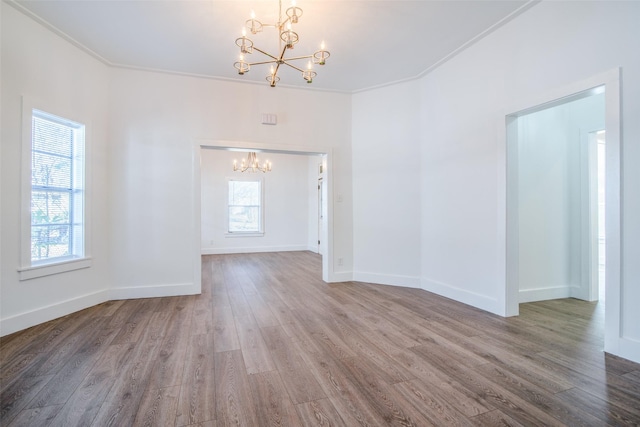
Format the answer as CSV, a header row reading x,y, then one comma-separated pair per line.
x,y
287,39
252,164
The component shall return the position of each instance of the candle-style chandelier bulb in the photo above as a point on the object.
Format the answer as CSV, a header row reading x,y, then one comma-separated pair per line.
x,y
253,24
241,65
321,55
294,12
309,74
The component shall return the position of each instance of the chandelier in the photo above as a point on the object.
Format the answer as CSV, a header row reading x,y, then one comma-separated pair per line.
x,y
287,38
252,164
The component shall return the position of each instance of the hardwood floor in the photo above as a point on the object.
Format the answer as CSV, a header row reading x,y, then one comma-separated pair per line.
x,y
269,344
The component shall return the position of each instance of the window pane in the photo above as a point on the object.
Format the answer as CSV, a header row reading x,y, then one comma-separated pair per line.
x,y
244,193
52,137
244,218
57,183
49,207
50,171
49,241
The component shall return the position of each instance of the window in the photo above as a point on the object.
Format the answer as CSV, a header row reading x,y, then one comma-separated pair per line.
x,y
57,189
245,206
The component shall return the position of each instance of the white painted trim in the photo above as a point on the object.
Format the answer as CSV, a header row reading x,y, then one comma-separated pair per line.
x,y
613,341
461,295
255,249
28,319
629,349
546,293
154,291
53,268
387,279
340,277
196,224
27,269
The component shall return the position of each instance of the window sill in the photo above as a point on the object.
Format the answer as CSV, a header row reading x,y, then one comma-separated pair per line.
x,y
56,268
241,234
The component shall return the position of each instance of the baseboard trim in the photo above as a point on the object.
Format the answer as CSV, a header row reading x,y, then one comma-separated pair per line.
x,y
387,279
340,276
155,291
250,250
543,294
26,320
470,298
629,349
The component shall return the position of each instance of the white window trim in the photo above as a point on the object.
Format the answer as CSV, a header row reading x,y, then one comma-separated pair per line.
x,y
262,211
27,269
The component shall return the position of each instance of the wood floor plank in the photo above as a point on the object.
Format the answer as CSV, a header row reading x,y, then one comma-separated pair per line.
x,y
36,416
224,329
269,343
169,366
298,380
202,320
319,413
509,403
261,311
60,388
467,401
17,394
536,395
257,357
436,409
599,409
197,396
70,341
84,404
232,391
495,418
23,342
158,407
121,404
273,405
343,395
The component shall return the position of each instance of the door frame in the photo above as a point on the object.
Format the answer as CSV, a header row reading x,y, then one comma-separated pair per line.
x,y
328,274
508,199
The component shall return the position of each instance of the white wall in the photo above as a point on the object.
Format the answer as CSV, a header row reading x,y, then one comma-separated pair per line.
x,y
51,72
386,185
156,122
552,45
550,186
143,131
460,117
287,190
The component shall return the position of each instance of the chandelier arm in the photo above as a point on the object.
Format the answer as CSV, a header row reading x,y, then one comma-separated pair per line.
x,y
281,59
293,66
295,58
267,54
275,72
275,61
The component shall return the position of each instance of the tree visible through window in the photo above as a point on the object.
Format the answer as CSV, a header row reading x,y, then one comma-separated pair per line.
x,y
57,189
245,206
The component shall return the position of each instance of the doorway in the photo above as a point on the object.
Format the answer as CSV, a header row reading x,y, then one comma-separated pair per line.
x,y
311,155
557,207
609,83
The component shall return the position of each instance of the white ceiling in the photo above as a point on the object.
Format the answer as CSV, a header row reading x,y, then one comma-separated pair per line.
x,y
372,43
